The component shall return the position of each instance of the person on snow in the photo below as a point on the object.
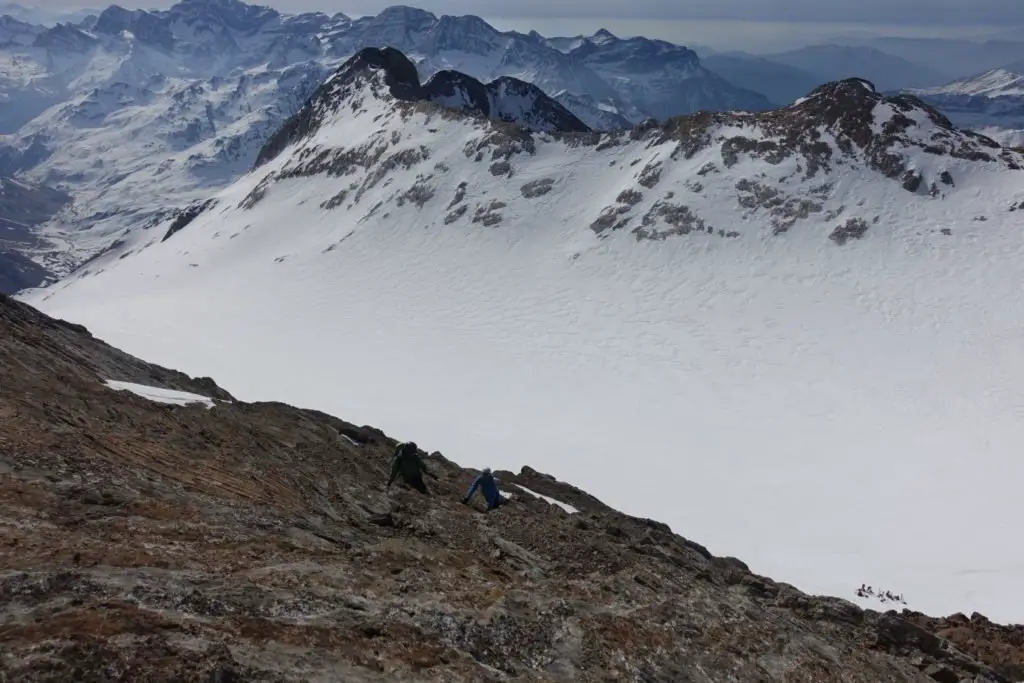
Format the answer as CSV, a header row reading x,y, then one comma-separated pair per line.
x,y
488,486
408,463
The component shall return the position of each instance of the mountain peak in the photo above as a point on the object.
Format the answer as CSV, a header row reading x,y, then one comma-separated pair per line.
x,y
146,27
855,106
464,34
849,90
233,14
603,36
400,73
388,73
406,14
65,37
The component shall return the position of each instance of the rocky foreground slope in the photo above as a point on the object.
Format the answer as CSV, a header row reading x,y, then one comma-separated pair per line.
x,y
256,542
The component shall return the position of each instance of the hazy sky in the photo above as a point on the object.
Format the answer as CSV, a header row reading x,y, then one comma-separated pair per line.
x,y
722,24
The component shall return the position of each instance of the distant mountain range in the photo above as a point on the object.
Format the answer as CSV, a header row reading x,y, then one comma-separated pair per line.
x,y
174,104
45,16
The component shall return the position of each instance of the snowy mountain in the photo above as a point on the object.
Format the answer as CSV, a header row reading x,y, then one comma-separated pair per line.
x,y
505,100
804,322
174,104
661,79
992,101
994,83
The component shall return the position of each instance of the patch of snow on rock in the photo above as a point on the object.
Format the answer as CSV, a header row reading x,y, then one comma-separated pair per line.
x,y
565,506
159,395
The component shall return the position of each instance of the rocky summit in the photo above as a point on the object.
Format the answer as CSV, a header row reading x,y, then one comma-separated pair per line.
x,y
505,99
227,541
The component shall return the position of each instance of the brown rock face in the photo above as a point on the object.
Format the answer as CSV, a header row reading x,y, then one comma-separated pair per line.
x,y
256,542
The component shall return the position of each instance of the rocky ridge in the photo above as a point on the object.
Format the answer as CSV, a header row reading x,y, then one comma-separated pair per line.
x,y
256,542
506,99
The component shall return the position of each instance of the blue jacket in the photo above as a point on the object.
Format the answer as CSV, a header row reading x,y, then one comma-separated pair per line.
x,y
488,485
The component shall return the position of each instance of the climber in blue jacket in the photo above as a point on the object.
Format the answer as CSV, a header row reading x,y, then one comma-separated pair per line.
x,y
488,486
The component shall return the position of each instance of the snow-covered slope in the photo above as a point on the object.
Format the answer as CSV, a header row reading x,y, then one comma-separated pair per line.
x,y
992,101
793,335
994,83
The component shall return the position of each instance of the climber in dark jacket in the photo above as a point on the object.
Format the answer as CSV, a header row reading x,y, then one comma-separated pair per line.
x,y
408,463
488,486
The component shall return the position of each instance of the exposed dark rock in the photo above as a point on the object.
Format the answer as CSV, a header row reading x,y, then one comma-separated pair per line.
x,y
854,228
650,176
942,674
419,194
665,219
537,188
186,216
630,197
784,210
460,194
912,181
456,214
501,168
1000,647
489,214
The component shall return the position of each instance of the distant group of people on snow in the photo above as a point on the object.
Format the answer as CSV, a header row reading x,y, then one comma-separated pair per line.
x,y
884,596
408,465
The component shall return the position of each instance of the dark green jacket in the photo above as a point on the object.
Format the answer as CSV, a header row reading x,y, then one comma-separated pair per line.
x,y
408,463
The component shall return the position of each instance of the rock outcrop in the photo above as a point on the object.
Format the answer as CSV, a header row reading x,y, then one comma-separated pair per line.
x,y
257,542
